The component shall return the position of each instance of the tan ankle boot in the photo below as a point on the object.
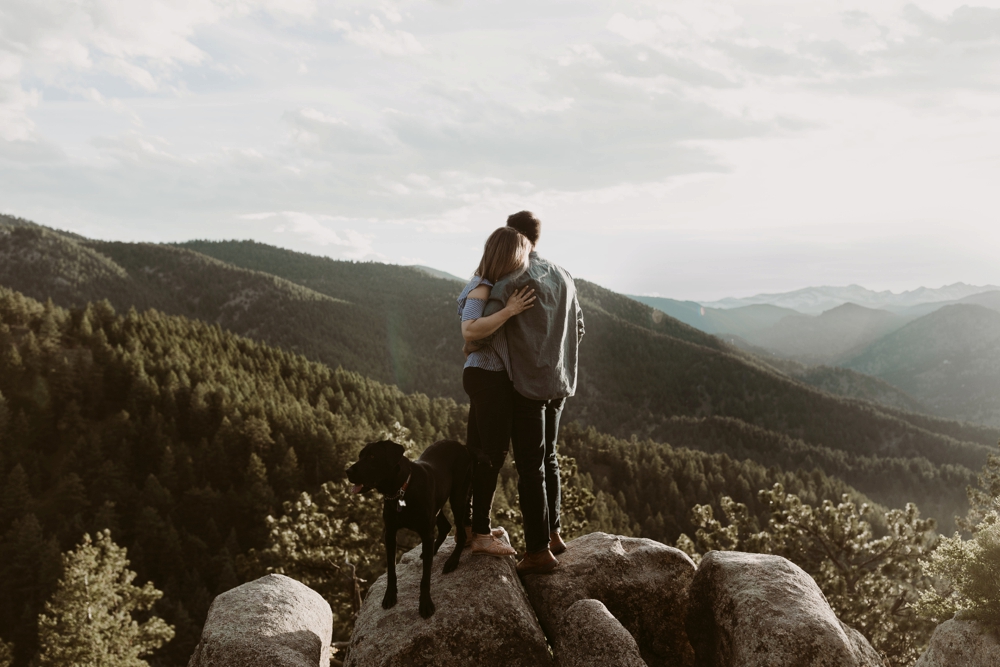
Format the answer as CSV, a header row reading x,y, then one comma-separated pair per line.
x,y
539,562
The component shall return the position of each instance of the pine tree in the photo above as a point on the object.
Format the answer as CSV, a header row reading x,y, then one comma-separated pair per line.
x,y
16,500
88,621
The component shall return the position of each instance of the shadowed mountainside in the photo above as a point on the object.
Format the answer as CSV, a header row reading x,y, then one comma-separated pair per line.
x,y
745,321
949,360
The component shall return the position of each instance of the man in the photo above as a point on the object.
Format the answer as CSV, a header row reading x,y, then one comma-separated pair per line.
x,y
543,344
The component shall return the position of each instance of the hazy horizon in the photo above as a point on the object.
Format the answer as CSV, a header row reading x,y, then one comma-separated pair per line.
x,y
699,151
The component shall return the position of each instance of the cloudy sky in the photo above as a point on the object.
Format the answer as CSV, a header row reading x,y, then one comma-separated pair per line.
x,y
689,149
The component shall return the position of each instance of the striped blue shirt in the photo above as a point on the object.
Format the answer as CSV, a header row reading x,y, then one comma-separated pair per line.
x,y
492,356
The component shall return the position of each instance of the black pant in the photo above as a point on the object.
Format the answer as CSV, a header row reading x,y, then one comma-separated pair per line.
x,y
553,484
491,396
536,427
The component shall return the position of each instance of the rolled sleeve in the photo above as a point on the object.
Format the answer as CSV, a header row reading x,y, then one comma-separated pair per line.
x,y
473,309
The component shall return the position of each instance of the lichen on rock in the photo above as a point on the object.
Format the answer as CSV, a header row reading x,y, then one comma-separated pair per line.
x,y
483,618
641,582
273,621
756,610
964,643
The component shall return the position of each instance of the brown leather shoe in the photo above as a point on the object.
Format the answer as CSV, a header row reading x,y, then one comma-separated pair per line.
x,y
539,562
556,544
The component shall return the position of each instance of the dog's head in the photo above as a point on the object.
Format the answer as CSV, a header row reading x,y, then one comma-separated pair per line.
x,y
376,462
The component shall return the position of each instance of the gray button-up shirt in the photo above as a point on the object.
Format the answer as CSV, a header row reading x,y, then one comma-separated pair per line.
x,y
543,341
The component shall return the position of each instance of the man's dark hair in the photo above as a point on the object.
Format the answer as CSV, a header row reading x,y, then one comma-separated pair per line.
x,y
526,223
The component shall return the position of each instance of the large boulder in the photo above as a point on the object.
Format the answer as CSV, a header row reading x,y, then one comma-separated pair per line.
x,y
755,610
642,583
964,643
592,637
274,621
482,618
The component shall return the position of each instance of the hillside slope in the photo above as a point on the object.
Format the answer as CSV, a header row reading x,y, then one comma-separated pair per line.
x,y
383,338
639,368
744,321
827,337
632,379
949,360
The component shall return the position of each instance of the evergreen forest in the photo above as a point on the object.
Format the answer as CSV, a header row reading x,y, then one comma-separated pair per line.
x,y
184,401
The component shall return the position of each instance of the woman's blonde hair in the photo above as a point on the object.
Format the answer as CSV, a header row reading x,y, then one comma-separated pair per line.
x,y
506,250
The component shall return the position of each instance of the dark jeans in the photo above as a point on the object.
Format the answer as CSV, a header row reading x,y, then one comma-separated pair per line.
x,y
535,433
491,396
553,484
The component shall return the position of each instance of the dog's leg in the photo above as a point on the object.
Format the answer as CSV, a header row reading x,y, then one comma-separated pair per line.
x,y
443,529
461,497
427,553
389,599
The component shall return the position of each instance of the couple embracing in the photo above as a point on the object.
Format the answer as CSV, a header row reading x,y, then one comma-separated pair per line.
x,y
522,324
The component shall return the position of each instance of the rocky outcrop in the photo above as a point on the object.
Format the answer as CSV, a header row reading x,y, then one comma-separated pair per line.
x,y
483,618
642,583
592,637
964,643
612,602
272,622
755,610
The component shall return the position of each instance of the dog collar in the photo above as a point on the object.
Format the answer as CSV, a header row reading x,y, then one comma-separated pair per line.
x,y
402,491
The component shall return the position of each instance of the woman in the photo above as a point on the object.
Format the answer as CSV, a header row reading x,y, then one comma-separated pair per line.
x,y
486,377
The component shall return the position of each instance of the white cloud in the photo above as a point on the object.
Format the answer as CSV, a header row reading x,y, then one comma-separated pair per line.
x,y
696,121
315,131
633,30
15,125
377,38
317,230
134,74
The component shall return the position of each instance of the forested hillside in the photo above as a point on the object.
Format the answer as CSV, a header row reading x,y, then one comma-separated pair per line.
x,y
361,330
639,366
852,384
640,370
181,437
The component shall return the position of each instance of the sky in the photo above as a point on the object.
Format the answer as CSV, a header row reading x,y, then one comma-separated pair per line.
x,y
693,150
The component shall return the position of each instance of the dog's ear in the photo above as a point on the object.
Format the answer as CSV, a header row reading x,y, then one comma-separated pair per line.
x,y
391,452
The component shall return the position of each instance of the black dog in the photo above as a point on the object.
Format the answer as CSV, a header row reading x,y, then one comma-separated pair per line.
x,y
415,492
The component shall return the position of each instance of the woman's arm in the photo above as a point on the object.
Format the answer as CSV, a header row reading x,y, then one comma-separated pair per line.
x,y
480,328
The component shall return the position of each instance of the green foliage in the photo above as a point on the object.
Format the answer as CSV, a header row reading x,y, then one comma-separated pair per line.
x,y
983,497
331,541
968,570
90,618
646,488
178,437
891,480
871,582
6,654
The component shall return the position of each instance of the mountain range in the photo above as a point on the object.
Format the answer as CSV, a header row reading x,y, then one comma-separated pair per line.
x,y
854,337
815,300
642,372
